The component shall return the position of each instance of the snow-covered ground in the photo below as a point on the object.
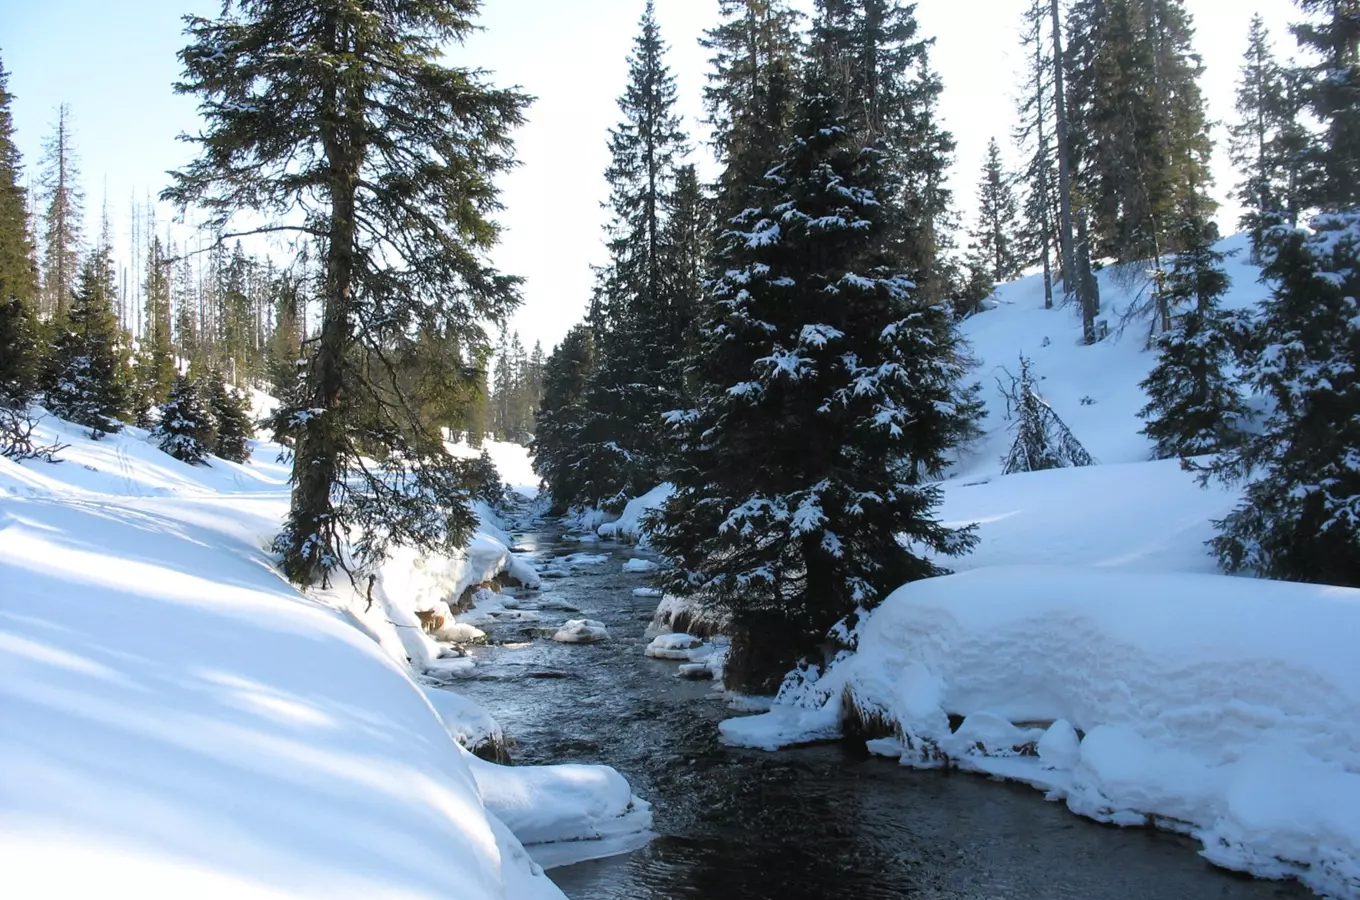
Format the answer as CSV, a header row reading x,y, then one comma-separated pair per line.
x,y
512,461
1089,647
176,719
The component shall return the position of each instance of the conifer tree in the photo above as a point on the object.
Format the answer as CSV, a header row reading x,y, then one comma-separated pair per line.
x,y
1268,144
995,240
1331,34
18,273
284,363
1038,235
566,375
824,397
186,429
63,212
1194,406
156,356
343,123
637,373
750,92
1042,440
84,382
1300,517
231,417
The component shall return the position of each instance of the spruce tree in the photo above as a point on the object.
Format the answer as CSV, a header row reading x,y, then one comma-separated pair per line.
x,y
637,374
995,240
1038,234
18,272
342,122
230,413
156,355
1042,440
84,382
566,375
1194,406
186,429
1300,517
1331,34
63,212
825,395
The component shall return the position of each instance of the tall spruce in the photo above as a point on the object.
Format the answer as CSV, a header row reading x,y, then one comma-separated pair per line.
x,y
85,382
185,428
824,396
1194,403
637,374
566,374
750,92
230,412
62,214
1039,238
18,270
156,366
1300,517
342,122
1268,143
1331,35
995,240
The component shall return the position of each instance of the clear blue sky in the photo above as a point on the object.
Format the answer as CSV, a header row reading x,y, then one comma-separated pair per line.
x,y
114,63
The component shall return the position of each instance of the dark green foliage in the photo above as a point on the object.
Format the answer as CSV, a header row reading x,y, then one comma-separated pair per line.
x,y
1194,406
1037,235
1140,136
566,374
484,481
1331,34
1300,518
155,364
340,123
1269,144
18,272
186,429
230,412
826,395
84,382
1042,441
62,201
994,254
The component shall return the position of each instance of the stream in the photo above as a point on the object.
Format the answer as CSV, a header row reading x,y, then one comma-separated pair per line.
x,y
825,821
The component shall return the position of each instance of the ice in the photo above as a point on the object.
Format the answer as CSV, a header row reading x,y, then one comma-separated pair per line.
x,y
581,631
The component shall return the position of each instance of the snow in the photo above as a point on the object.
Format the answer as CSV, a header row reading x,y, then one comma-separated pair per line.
x,y
673,646
581,631
640,566
628,526
512,461
1088,646
179,720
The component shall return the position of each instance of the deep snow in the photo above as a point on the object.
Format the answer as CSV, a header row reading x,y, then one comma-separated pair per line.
x,y
177,719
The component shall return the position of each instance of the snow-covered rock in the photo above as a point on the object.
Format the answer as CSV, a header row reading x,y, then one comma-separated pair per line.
x,y
628,526
677,615
647,592
469,724
674,646
1225,707
581,631
638,565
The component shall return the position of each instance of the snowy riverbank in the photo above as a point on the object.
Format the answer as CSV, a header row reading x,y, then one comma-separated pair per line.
x,y
179,718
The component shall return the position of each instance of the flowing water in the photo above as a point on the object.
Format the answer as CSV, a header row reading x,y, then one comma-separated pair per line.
x,y
825,821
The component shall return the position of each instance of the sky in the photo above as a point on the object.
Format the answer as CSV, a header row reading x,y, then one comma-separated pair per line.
x,y
114,63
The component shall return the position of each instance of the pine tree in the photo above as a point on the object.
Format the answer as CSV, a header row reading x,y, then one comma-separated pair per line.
x,y
637,374
284,363
18,273
84,383
1300,516
62,214
824,397
231,417
1194,406
1332,35
1038,235
750,92
341,122
1268,144
566,375
995,238
156,357
1042,440
186,429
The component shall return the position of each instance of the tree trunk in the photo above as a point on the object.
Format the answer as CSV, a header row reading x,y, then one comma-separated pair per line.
x,y
1068,256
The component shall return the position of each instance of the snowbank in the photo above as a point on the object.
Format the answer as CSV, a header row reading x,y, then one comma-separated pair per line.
x,y
565,814
1225,707
679,615
179,721
512,461
469,724
628,526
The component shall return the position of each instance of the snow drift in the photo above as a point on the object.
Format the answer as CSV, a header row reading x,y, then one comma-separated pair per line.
x,y
1224,707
